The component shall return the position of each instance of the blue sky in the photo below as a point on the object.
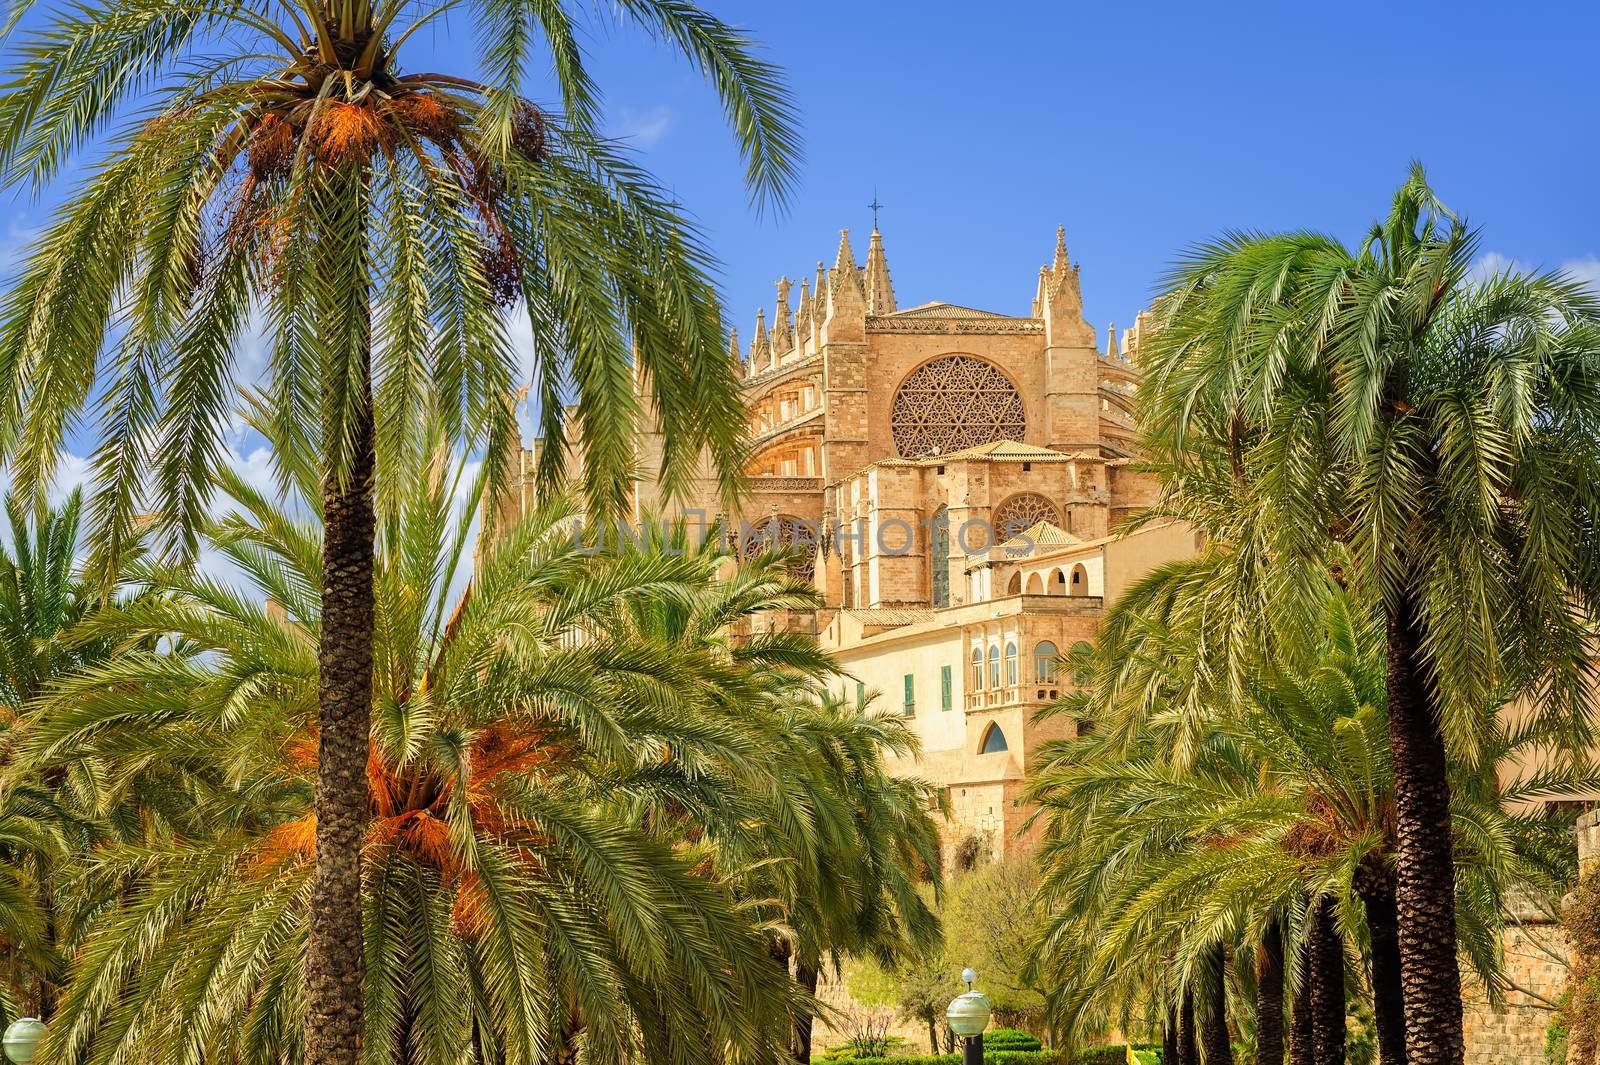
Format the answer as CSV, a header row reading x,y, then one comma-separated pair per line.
x,y
1138,127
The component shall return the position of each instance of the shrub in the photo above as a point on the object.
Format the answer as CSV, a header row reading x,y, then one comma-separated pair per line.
x,y
1107,1055
1010,1039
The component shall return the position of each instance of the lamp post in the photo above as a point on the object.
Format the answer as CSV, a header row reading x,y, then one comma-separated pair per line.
x,y
968,1016
21,1040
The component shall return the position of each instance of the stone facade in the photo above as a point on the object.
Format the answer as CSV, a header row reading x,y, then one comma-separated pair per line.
x,y
1536,967
957,474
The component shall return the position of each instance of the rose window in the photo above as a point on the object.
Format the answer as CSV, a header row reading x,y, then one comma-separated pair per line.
x,y
1023,512
782,532
955,402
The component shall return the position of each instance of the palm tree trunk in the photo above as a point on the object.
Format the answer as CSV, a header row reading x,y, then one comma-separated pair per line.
x,y
1214,1027
335,972
1302,1043
1169,1038
1327,986
1269,997
1388,1010
806,976
1188,1049
1425,860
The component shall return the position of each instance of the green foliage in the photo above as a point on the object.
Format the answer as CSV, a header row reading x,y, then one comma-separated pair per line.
x,y
990,917
1010,1039
388,223
1102,1055
556,819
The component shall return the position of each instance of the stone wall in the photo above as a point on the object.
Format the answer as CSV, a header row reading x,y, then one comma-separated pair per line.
x,y
1536,965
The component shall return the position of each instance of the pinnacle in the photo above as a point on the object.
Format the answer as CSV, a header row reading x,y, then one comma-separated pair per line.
x,y
846,259
880,289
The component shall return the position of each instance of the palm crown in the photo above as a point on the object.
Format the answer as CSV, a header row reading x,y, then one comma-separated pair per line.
x,y
374,213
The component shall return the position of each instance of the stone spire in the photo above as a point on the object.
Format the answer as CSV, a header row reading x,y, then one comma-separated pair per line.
x,y
844,264
802,316
1062,287
1059,301
782,321
759,348
846,296
733,353
880,290
1111,342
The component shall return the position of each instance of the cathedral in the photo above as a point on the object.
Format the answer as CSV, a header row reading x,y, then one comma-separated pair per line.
x,y
956,476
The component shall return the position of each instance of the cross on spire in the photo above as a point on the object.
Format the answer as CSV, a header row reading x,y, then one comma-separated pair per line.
x,y
875,206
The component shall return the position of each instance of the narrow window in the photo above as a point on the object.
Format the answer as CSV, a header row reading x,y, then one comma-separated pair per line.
x,y
977,670
1011,665
939,558
994,666
861,692
911,696
946,683
1044,662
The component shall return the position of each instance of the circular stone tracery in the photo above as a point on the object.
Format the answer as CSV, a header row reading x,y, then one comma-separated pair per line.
x,y
954,402
1023,512
782,532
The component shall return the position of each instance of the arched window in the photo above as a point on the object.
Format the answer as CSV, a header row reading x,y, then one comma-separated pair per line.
x,y
1015,587
1020,513
977,669
1081,672
1058,583
1044,662
954,402
1080,580
994,740
939,560
1035,584
1011,665
994,666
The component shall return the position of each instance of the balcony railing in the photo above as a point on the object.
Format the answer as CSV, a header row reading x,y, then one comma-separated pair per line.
x,y
1028,694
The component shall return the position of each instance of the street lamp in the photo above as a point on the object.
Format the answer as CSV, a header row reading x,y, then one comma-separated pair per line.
x,y
968,1016
22,1039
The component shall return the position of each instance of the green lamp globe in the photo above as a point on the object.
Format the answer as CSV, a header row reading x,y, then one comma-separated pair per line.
x,y
22,1039
968,1013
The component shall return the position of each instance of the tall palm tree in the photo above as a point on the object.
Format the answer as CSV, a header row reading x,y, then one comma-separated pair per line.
x,y
528,893
1283,820
386,220
1443,431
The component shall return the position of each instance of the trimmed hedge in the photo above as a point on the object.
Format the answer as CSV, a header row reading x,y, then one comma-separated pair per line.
x,y
1010,1039
1108,1055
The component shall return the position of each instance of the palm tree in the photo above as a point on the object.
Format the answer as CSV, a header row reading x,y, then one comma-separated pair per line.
x,y
386,221
844,844
528,891
48,819
1443,432
1280,826
852,889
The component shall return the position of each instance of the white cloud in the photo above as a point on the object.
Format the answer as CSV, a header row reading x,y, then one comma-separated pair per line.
x,y
1489,264
1586,269
643,127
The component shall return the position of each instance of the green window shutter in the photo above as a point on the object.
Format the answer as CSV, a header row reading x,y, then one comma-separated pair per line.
x,y
944,687
911,695
861,691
